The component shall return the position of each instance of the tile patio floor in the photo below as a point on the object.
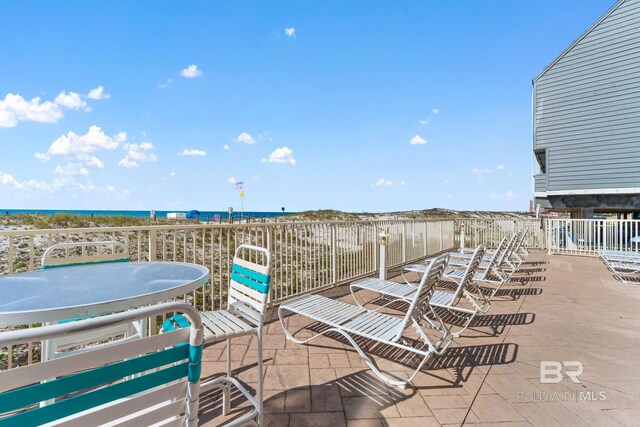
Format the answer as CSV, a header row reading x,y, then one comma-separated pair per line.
x,y
557,308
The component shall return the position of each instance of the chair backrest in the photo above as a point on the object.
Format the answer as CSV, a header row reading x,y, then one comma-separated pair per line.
x,y
423,293
152,380
467,278
497,256
508,249
250,281
60,254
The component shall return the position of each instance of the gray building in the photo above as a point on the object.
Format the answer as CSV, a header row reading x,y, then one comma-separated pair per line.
x,y
586,119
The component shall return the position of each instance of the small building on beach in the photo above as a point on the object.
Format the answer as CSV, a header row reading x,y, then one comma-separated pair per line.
x,y
586,120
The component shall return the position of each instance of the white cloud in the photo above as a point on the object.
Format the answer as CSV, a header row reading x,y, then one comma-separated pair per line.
x,y
425,121
80,147
71,169
510,195
510,174
481,171
172,174
192,152
450,196
245,138
226,147
281,155
165,84
435,111
402,183
232,180
255,178
446,181
70,100
191,72
15,108
110,188
382,182
136,154
500,167
290,32
7,179
417,140
98,94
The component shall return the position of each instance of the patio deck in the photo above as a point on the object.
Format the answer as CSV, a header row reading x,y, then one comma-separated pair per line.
x,y
557,308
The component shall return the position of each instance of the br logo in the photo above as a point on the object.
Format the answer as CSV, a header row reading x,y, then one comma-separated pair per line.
x,y
551,371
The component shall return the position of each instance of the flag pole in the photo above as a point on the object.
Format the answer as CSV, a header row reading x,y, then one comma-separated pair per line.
x,y
242,202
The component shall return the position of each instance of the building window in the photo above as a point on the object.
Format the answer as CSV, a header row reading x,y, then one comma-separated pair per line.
x,y
541,157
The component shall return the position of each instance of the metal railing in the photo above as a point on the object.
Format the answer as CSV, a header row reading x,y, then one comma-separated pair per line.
x,y
491,231
306,257
587,236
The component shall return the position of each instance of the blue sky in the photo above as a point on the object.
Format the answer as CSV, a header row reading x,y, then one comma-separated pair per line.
x,y
357,106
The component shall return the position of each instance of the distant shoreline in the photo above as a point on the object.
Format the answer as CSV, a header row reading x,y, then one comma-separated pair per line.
x,y
140,214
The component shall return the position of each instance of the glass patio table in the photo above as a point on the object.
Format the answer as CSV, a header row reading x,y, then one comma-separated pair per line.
x,y
80,291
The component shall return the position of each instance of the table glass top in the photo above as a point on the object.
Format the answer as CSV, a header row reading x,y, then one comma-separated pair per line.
x,y
95,284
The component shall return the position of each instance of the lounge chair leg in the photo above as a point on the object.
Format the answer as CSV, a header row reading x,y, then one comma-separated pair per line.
x,y
226,388
260,380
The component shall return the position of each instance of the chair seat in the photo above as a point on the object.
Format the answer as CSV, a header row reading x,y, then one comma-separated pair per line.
x,y
442,299
386,287
223,324
348,317
374,325
322,309
623,266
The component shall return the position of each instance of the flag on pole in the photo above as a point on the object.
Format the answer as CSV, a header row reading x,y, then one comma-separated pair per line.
x,y
242,193
238,185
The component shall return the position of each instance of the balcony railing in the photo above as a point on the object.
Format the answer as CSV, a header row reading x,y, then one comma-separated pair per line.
x,y
306,257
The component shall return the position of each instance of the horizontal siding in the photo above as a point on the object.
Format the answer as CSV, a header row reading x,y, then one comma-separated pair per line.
x,y
540,182
587,108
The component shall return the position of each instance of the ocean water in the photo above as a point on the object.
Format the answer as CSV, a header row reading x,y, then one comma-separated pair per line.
x,y
204,215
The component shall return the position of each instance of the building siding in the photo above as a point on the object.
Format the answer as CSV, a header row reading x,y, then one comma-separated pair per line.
x,y
587,108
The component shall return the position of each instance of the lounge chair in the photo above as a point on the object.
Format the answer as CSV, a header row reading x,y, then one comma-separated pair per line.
x,y
247,303
489,276
152,381
358,324
623,264
446,299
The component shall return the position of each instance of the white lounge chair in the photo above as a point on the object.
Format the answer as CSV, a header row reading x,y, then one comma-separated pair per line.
x,y
356,323
488,274
152,381
247,302
445,299
625,265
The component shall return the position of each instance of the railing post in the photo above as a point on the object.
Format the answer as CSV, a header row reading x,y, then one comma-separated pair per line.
x,y
424,236
441,245
334,256
152,245
383,255
10,241
462,236
403,239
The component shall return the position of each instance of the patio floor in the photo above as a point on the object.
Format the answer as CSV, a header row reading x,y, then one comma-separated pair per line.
x,y
557,308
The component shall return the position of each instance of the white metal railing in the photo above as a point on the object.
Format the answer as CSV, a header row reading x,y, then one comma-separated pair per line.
x,y
491,231
306,257
587,236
